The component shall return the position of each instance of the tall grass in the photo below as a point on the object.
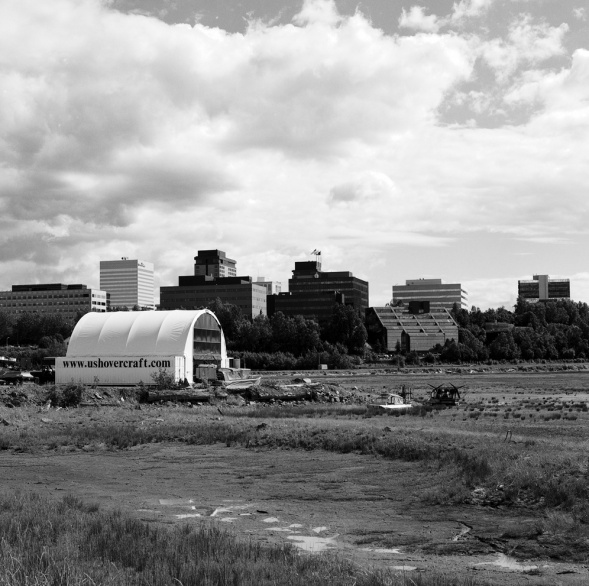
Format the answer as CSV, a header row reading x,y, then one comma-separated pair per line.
x,y
69,543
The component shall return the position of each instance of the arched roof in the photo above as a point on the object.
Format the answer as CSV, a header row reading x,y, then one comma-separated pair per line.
x,y
134,333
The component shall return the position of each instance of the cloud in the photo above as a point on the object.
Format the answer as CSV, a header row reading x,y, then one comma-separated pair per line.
x,y
470,9
580,13
121,135
526,43
416,19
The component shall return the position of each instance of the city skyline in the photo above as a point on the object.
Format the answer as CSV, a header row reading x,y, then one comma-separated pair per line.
x,y
439,139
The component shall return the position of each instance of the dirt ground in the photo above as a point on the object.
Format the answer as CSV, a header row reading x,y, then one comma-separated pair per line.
x,y
362,507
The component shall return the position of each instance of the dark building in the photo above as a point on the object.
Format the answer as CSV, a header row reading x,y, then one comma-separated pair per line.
x,y
398,328
543,288
196,291
313,292
214,263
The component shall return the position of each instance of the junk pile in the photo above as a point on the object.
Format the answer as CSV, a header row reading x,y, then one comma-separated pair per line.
x,y
299,391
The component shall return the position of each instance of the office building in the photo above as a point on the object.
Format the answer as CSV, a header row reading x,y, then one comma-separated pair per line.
x,y
417,327
543,288
129,282
272,287
214,263
440,295
313,292
67,300
196,292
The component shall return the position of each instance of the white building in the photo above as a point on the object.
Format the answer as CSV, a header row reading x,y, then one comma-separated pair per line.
x,y
129,282
129,347
272,287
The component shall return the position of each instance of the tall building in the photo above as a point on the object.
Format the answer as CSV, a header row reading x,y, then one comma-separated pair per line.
x,y
543,288
129,282
214,276
214,263
313,292
440,295
66,300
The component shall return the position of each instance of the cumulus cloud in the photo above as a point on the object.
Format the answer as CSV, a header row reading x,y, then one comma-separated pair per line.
x,y
526,43
416,19
121,135
470,9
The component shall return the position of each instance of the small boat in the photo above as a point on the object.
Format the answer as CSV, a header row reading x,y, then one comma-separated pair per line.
x,y
394,402
242,383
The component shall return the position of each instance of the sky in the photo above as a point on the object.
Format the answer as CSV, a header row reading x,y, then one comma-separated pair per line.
x,y
437,139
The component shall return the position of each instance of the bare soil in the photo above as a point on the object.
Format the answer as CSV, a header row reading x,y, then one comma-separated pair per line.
x,y
364,508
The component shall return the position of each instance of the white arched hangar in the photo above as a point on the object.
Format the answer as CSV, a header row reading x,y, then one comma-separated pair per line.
x,y
129,347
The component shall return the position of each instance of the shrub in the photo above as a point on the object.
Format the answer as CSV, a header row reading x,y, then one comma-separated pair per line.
x,y
163,380
69,395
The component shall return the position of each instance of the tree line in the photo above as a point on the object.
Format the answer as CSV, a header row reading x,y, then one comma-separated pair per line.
x,y
550,330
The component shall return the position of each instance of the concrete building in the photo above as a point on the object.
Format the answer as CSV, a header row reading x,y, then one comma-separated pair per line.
x,y
214,263
272,287
418,327
440,295
543,288
66,300
129,282
194,292
313,292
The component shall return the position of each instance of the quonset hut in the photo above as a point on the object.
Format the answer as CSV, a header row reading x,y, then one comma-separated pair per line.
x,y
129,347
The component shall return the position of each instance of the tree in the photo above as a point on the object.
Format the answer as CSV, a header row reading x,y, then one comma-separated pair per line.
x,y
346,327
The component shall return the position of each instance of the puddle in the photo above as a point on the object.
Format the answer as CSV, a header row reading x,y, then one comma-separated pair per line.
x,y
295,526
508,563
404,568
270,520
228,519
465,530
312,543
319,529
382,550
286,529
175,502
220,510
188,516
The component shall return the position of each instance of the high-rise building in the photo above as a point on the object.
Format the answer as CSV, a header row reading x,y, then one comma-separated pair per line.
x,y
543,288
214,277
440,295
129,282
214,263
313,292
66,300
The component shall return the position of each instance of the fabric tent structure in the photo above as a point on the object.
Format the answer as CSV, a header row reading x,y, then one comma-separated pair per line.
x,y
126,347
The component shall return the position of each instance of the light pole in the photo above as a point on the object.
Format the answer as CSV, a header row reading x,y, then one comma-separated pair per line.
x,y
7,338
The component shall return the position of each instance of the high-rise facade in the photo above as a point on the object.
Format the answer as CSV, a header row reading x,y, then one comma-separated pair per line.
x,y
214,263
129,282
440,295
543,288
